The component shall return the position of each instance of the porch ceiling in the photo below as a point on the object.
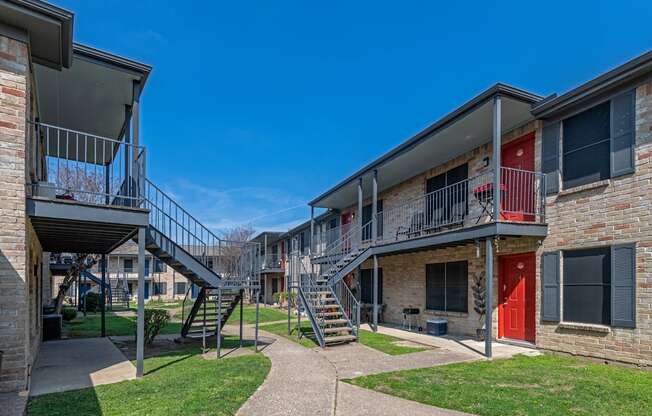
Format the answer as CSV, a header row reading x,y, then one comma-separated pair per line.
x,y
71,227
90,96
457,133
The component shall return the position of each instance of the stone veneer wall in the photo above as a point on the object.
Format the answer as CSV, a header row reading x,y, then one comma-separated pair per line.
x,y
20,251
602,214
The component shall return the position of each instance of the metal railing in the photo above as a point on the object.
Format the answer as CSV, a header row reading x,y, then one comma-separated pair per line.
x,y
83,167
355,240
236,262
523,195
349,304
271,261
326,238
310,296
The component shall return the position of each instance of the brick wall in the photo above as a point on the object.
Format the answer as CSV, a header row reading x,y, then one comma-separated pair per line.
x,y
19,312
610,212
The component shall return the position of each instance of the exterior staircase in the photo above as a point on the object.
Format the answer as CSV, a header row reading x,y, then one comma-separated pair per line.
x,y
119,294
333,321
107,286
202,318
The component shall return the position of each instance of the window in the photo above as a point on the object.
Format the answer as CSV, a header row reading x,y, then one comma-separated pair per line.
x,y
210,264
147,263
367,286
332,232
159,266
304,241
447,286
160,288
587,286
450,205
586,146
128,265
180,288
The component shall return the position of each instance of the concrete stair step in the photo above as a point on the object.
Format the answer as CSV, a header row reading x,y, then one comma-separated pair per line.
x,y
339,339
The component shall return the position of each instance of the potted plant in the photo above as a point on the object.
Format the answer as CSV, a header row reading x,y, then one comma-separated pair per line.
x,y
479,289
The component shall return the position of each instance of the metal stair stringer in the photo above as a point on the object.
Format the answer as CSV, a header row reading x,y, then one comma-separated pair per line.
x,y
345,266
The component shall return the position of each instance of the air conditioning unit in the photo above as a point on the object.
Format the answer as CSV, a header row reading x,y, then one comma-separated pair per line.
x,y
437,326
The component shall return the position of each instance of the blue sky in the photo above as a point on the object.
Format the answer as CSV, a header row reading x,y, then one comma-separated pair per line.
x,y
254,108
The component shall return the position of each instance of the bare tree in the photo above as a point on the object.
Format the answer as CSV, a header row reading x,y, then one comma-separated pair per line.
x,y
84,182
80,263
235,250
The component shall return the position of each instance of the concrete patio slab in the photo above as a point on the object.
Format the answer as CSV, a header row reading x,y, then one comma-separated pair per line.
x,y
79,363
456,344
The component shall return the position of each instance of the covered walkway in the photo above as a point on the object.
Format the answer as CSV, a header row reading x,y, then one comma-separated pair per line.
x,y
79,363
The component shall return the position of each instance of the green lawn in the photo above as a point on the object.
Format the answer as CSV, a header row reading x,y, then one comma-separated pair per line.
x,y
308,339
380,342
386,343
179,383
265,314
543,385
89,326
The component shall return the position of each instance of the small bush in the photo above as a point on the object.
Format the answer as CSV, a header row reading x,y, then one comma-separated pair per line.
x,y
68,314
155,320
285,296
276,297
92,301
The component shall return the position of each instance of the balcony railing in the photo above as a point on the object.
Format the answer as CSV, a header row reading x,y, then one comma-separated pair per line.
x,y
271,261
83,167
463,204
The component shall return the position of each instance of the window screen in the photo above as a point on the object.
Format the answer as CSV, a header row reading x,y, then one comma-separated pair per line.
x,y
366,217
449,205
447,286
128,265
180,288
587,286
367,286
586,146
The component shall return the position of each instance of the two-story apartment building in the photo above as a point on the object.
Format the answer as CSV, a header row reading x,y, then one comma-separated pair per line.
x,y
567,246
73,180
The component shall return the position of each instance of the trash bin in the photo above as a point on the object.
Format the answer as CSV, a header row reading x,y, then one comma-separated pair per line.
x,y
437,326
51,327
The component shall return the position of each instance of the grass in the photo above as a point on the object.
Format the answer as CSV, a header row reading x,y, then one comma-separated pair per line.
x,y
386,343
178,383
543,385
308,339
265,314
381,342
89,326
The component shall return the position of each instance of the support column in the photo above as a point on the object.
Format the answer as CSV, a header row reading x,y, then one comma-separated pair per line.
x,y
218,334
497,129
103,296
375,293
489,278
374,207
312,230
140,322
360,201
241,314
265,255
257,319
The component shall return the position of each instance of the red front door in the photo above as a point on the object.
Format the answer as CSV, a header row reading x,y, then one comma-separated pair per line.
x,y
516,307
518,200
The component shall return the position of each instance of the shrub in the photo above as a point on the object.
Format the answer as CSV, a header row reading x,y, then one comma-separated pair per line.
x,y
68,314
276,297
155,320
92,301
285,296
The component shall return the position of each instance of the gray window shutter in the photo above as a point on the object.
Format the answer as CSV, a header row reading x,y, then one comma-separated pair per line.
x,y
550,293
623,285
622,134
550,156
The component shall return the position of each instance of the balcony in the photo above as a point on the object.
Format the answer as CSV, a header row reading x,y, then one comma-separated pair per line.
x,y
89,186
272,263
465,205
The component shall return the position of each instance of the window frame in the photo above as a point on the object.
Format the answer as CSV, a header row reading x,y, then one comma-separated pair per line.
x,y
445,290
606,287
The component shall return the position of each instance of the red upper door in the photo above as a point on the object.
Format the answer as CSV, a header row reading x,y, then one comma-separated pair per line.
x,y
516,309
518,199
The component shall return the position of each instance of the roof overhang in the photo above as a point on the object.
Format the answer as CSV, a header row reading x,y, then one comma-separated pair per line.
x,y
459,132
49,30
272,237
627,73
93,95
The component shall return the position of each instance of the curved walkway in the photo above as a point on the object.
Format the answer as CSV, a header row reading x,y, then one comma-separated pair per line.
x,y
305,381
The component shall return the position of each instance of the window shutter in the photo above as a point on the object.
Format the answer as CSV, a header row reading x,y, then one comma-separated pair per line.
x,y
550,157
623,285
550,294
622,134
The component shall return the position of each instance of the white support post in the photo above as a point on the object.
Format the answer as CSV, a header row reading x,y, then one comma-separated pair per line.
x,y
140,323
360,201
497,129
375,293
312,230
489,301
374,207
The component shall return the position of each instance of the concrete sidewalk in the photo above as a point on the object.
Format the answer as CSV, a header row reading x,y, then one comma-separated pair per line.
x,y
78,363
